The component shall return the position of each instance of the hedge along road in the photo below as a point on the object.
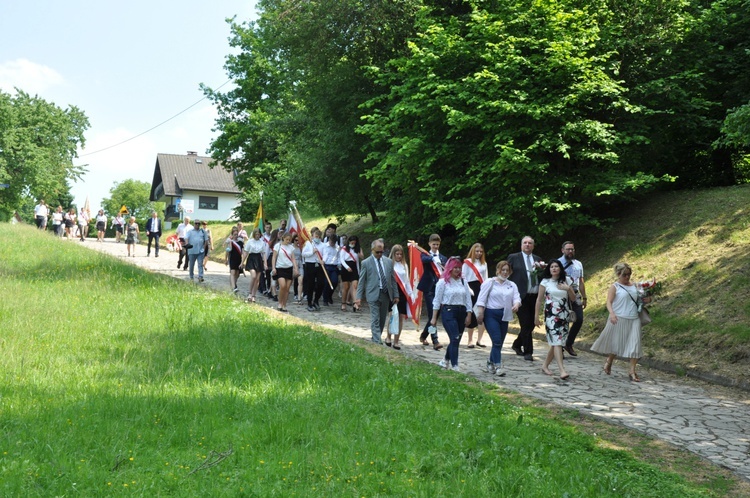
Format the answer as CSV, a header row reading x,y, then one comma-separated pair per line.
x,y
709,420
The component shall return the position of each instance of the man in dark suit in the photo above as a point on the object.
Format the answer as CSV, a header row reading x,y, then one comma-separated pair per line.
x,y
528,287
432,264
378,285
153,230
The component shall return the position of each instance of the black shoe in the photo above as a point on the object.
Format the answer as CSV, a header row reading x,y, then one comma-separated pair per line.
x,y
310,308
518,351
148,254
316,306
274,298
156,256
325,303
528,357
570,350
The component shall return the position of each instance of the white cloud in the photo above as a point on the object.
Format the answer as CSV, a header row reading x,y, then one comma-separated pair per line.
x,y
28,76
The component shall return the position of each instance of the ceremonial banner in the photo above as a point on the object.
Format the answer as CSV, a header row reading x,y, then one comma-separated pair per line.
x,y
415,273
258,223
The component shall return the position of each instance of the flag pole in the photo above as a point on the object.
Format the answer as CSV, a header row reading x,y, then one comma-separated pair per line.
x,y
306,235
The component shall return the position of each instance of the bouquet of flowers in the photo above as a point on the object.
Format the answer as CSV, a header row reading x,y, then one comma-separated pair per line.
x,y
648,288
537,272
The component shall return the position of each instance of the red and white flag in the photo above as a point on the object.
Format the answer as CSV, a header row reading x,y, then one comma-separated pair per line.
x,y
415,274
291,224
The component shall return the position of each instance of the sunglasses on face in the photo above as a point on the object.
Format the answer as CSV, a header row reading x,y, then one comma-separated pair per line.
x,y
377,252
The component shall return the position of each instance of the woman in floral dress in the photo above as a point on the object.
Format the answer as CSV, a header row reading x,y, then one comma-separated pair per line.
x,y
556,295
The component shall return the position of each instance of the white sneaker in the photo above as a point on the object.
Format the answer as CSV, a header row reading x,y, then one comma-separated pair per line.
x,y
456,369
500,372
491,368
443,364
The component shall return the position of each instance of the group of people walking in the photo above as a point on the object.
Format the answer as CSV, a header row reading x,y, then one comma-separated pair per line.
x,y
457,290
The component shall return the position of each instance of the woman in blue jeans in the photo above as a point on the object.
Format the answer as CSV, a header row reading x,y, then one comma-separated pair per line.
x,y
453,301
498,300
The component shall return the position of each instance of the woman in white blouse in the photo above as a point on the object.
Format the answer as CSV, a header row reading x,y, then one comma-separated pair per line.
x,y
475,273
498,300
284,268
453,302
405,293
254,261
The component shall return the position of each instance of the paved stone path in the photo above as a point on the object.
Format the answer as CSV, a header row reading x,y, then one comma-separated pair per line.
x,y
709,420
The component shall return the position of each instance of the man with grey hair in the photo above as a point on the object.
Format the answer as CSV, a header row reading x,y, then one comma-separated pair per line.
x,y
378,285
523,264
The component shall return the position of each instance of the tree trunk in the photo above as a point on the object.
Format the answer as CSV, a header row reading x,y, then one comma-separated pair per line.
x,y
371,208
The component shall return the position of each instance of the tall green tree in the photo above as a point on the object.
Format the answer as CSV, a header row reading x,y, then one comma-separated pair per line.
x,y
135,195
500,123
289,126
38,142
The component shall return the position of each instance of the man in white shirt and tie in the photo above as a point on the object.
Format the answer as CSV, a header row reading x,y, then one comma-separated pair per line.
x,y
528,287
378,285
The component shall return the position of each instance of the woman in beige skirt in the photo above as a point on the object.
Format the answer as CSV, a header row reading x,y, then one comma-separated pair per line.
x,y
622,334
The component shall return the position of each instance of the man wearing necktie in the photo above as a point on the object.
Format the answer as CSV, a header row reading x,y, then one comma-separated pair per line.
x,y
528,287
378,286
433,264
153,230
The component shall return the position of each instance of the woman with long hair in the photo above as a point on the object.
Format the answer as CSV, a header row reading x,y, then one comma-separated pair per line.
x,y
350,256
233,247
556,294
284,268
405,293
475,273
453,302
254,261
101,225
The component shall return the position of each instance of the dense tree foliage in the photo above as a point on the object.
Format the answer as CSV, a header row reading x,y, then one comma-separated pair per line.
x,y
38,142
481,118
289,125
133,194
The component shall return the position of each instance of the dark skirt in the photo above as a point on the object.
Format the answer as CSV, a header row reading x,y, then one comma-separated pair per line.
x,y
402,304
285,273
100,226
475,286
349,276
254,262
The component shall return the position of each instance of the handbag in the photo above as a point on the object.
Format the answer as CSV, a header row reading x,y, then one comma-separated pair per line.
x,y
645,316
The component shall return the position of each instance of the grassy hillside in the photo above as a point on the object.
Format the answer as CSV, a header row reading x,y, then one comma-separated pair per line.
x,y
697,244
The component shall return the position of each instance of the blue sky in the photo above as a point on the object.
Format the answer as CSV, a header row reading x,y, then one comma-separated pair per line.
x,y
129,66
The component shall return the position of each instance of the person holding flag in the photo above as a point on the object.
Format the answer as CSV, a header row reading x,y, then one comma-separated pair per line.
x,y
434,264
313,281
119,223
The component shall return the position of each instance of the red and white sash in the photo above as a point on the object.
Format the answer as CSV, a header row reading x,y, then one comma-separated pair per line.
x,y
474,269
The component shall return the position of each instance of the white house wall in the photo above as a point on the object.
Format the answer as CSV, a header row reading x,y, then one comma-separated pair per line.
x,y
227,203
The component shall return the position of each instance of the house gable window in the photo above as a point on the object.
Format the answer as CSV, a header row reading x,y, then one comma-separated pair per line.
x,y
207,202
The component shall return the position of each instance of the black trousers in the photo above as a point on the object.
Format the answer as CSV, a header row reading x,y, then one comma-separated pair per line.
x,y
526,321
313,282
427,299
575,327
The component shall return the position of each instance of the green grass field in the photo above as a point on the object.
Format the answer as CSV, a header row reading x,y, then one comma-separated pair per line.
x,y
118,382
